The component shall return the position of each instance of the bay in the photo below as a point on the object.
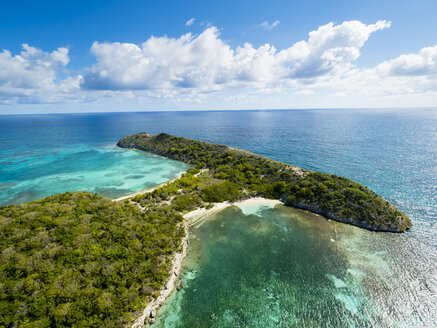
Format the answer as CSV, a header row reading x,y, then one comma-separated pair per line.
x,y
364,278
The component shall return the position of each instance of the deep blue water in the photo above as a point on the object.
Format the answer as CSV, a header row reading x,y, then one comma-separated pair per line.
x,y
393,152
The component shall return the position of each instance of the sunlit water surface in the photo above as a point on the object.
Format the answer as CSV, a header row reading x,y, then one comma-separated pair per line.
x,y
283,267
107,170
274,266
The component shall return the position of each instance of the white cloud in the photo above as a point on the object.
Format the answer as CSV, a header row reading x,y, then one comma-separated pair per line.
x,y
206,63
205,70
268,26
329,49
411,74
190,22
423,63
304,92
31,69
25,77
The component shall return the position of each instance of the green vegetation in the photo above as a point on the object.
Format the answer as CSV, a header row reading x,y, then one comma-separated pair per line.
x,y
225,191
189,193
80,260
244,174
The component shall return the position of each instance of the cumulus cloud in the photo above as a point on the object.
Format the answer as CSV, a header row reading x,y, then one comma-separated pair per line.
x,y
161,63
190,22
329,49
405,75
33,72
206,63
196,68
422,63
31,69
268,26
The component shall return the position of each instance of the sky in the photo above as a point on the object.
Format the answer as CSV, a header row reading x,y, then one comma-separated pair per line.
x,y
92,56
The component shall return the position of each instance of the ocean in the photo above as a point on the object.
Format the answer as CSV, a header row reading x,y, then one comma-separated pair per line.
x,y
308,271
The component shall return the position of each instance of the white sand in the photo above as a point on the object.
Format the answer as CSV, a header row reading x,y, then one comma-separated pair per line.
x,y
259,201
200,214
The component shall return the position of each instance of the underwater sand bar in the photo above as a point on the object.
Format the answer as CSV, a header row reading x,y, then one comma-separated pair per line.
x,y
145,191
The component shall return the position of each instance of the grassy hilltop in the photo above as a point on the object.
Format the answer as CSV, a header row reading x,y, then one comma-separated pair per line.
x,y
247,174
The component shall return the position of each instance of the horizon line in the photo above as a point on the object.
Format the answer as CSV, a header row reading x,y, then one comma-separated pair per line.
x,y
224,110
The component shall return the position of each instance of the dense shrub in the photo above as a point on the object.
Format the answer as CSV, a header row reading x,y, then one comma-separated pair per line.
x,y
226,191
335,197
79,260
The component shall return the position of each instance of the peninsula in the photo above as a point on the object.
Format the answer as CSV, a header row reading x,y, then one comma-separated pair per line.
x,y
239,174
78,259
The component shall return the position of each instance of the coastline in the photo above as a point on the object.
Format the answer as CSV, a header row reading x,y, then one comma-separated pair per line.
x,y
149,312
202,213
191,218
145,191
198,215
332,196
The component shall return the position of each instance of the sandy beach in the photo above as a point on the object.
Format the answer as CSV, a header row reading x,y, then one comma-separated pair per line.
x,y
191,218
196,216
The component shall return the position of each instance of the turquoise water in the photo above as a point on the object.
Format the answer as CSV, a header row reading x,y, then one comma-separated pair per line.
x,y
107,170
286,268
392,151
361,278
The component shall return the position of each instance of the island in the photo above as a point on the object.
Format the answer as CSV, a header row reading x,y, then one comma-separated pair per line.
x,y
77,259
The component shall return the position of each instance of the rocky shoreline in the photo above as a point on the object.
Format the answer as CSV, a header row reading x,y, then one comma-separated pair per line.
x,y
149,313
191,218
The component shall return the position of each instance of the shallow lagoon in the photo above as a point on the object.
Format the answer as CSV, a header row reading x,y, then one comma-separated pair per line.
x,y
394,152
110,171
281,267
